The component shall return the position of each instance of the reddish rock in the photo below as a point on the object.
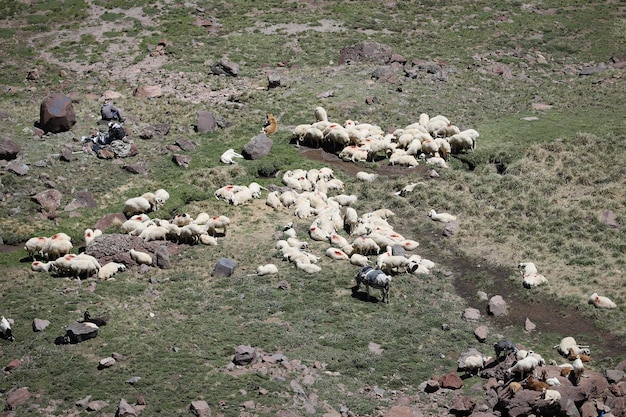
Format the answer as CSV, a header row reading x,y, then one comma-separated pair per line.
x,y
14,364
8,149
49,200
200,408
463,405
497,306
451,381
17,397
109,220
399,411
56,114
148,91
182,160
365,51
83,199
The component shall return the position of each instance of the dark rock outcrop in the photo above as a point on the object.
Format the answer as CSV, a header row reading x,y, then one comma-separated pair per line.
x,y
56,114
258,147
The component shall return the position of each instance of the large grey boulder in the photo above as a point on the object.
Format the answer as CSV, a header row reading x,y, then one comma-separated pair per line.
x,y
258,147
205,121
224,268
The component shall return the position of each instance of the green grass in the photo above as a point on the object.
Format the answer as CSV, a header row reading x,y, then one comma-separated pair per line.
x,y
536,191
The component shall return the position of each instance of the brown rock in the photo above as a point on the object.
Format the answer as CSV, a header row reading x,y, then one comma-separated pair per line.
x,y
529,326
56,114
125,410
83,199
138,168
471,314
40,325
451,381
588,409
96,405
608,217
431,386
17,397
13,364
481,333
225,67
49,200
244,355
19,169
399,411
108,220
66,154
200,408
182,160
8,149
162,257
451,228
186,144
463,405
365,51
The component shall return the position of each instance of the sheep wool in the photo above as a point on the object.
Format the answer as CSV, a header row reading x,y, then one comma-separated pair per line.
x,y
600,301
5,329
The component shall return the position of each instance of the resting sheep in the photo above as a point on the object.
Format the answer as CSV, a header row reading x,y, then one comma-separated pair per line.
x,y
80,268
5,329
374,278
267,269
527,268
337,254
366,176
600,301
533,280
441,217
550,395
136,205
39,266
569,344
141,257
227,157
110,269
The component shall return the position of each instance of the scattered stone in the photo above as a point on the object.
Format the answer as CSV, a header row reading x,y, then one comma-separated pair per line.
x,y
79,332
451,228
56,114
40,325
138,168
106,363
274,80
96,405
13,364
125,410
224,268
471,314
83,199
162,257
225,67
283,284
8,149
375,348
148,91
258,147
66,154
109,220
608,217
464,405
49,200
244,355
83,401
200,408
133,380
205,122
497,306
529,326
481,333
615,375
17,397
433,174
19,169
182,160
530,118
186,144
482,295
451,381
365,51
431,386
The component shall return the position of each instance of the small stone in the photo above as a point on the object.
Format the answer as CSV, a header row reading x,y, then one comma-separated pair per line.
x,y
529,326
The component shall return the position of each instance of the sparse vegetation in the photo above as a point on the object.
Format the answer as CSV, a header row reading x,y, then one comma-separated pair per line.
x,y
532,190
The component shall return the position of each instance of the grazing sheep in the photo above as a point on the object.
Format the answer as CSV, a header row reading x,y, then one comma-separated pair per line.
x,y
191,233
57,247
141,257
523,366
441,217
39,266
154,232
110,269
35,245
474,364
504,346
217,222
600,301
62,264
568,344
533,280
365,246
374,278
389,263
5,329
80,268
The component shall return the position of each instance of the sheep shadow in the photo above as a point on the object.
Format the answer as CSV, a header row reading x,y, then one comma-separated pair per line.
x,y
363,296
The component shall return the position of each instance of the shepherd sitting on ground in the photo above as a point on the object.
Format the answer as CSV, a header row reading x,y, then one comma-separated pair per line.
x,y
109,112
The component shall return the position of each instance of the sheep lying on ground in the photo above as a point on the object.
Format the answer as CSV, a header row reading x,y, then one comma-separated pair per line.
x,y
141,257
366,176
441,217
533,280
227,157
550,395
527,268
374,278
110,269
600,301
267,269
39,266
136,205
5,329
569,344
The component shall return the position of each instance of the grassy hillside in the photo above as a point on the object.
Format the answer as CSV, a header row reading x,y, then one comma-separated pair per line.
x,y
535,191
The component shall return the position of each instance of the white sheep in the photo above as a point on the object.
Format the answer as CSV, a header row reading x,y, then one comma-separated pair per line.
x,y
527,268
5,329
338,241
141,257
226,192
62,264
366,176
183,219
243,196
39,266
441,217
409,244
601,301
524,366
80,268
320,114
345,200
337,254
553,382
110,269
272,200
359,260
408,189
365,246
56,247
474,364
35,245
550,395
154,232
437,162
190,233
155,202
568,343
267,269
227,157
89,235
389,263
308,267
317,233
162,195
297,243
207,239
136,205
533,280
216,223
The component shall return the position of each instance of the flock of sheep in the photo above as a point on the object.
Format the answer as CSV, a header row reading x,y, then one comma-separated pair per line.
x,y
430,139
523,374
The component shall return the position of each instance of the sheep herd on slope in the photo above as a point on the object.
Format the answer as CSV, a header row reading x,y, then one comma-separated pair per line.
x,y
431,140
